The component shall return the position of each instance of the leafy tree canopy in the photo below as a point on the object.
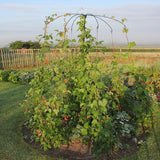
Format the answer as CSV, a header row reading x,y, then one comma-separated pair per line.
x,y
27,45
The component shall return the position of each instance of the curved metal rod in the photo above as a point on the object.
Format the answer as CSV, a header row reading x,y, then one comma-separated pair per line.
x,y
69,20
111,30
74,22
118,22
96,17
97,25
106,24
67,24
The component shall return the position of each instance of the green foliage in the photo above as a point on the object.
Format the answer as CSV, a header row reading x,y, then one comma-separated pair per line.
x,y
27,45
16,76
5,75
73,99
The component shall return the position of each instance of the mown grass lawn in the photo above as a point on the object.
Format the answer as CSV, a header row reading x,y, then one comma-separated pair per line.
x,y
13,147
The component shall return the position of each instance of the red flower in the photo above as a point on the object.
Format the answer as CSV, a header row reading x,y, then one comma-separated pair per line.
x,y
23,50
44,122
37,131
101,120
46,61
27,110
158,97
42,97
118,107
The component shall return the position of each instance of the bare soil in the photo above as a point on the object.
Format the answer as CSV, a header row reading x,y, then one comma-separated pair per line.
x,y
79,151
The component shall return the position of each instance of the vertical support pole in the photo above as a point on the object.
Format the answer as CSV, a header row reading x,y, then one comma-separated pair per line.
x,y
1,54
84,24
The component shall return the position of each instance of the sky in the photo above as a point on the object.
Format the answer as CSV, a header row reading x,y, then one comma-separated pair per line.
x,y
24,19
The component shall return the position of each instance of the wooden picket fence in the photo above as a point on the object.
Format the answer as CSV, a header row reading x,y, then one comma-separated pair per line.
x,y
24,58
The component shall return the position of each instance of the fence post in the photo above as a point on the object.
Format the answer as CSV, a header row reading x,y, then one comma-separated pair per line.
x,y
1,64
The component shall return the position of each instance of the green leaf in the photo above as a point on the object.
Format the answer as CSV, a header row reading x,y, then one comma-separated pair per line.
x,y
86,125
131,44
139,90
125,56
125,30
84,132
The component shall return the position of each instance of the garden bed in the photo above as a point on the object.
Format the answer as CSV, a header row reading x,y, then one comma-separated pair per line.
x,y
79,151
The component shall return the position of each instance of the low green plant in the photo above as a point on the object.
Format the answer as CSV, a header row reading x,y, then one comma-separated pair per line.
x,y
26,77
16,76
5,74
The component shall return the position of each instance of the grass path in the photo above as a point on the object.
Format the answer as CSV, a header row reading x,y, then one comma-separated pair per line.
x,y
13,147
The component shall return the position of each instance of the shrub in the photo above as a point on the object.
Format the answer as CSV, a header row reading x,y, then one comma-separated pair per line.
x,y
5,74
16,76
74,99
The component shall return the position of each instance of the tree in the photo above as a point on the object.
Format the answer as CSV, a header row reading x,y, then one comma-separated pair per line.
x,y
27,45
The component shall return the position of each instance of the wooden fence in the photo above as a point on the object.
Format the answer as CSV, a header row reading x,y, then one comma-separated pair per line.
x,y
24,58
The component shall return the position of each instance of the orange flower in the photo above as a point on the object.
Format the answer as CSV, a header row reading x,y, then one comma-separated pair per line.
x,y
102,120
77,141
87,117
154,115
106,117
66,81
46,61
44,101
78,115
27,110
44,122
66,118
55,53
104,71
